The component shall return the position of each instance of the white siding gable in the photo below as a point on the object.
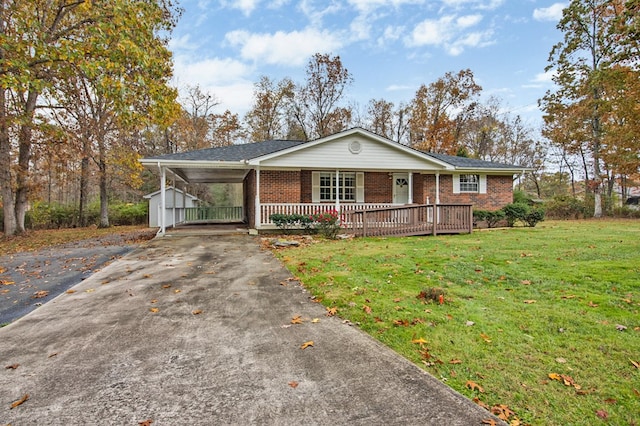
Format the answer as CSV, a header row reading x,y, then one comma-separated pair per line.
x,y
352,152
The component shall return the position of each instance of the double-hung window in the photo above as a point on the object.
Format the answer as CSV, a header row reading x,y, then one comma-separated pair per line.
x,y
469,183
342,186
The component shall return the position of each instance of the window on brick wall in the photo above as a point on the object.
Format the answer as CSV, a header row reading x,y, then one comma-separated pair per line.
x,y
470,183
347,186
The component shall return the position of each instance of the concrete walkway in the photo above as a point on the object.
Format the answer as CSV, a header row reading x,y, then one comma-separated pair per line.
x,y
196,330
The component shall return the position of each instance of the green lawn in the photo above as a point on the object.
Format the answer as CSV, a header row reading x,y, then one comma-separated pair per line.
x,y
542,324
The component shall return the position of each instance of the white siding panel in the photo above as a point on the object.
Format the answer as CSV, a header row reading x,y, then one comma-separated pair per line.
x,y
336,155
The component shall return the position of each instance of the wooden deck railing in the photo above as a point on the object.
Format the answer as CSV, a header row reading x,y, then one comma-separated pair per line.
x,y
410,220
307,209
385,219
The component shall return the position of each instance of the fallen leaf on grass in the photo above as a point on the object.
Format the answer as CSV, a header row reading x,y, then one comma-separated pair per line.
x,y
12,366
564,379
332,311
305,345
197,312
419,341
485,338
474,386
293,384
525,282
20,401
636,364
366,309
593,305
530,301
455,361
602,414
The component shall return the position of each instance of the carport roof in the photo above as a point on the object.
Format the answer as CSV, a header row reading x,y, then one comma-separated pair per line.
x,y
241,152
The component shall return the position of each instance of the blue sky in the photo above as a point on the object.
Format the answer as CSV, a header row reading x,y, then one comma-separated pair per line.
x,y
390,47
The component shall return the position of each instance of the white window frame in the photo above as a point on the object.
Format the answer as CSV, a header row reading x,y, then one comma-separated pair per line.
x,y
461,187
320,189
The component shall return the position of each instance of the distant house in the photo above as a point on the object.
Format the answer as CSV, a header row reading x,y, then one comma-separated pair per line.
x,y
176,201
351,170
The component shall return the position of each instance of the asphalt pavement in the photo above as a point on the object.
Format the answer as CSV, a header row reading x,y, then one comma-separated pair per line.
x,y
197,330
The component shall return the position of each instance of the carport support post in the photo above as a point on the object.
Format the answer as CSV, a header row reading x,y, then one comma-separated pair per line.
x,y
163,199
257,198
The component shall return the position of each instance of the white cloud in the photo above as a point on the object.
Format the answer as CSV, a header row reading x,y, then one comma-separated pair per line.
x,y
370,5
551,13
245,6
227,79
282,48
449,33
473,4
540,80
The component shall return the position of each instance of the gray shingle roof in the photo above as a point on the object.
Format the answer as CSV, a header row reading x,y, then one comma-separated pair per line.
x,y
250,151
230,153
471,163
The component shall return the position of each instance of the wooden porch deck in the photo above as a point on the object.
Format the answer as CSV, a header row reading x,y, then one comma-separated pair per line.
x,y
421,219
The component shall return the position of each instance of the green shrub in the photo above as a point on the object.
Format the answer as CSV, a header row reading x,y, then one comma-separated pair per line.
x,y
480,215
128,213
535,215
495,217
566,207
515,212
287,222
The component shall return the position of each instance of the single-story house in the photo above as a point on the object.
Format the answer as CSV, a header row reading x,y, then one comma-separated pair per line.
x,y
351,170
175,205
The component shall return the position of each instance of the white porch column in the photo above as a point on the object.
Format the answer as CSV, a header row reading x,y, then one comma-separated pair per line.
x,y
257,199
163,200
410,180
184,204
437,187
338,191
173,181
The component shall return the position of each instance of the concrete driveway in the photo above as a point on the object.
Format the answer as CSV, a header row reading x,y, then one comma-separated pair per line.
x,y
196,330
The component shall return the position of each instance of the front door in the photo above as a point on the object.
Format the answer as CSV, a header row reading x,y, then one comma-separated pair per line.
x,y
400,188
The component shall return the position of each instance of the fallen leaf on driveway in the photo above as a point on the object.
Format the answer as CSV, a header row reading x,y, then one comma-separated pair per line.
x,y
4,282
71,291
12,366
315,320
305,345
40,294
293,384
145,422
332,311
154,310
296,320
20,401
197,312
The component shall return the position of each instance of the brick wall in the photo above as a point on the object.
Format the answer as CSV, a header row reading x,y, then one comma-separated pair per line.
x,y
378,187
278,186
499,193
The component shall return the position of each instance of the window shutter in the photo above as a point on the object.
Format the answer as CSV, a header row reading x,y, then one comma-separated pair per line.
x,y
482,186
456,184
315,187
360,187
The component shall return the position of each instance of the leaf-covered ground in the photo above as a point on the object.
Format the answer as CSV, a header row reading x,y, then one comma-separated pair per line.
x,y
36,267
540,325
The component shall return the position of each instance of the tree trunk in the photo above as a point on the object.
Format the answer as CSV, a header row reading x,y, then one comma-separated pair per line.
x,y
24,157
84,183
104,197
6,191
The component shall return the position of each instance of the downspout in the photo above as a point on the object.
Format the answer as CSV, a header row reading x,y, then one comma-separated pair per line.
x,y
437,187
